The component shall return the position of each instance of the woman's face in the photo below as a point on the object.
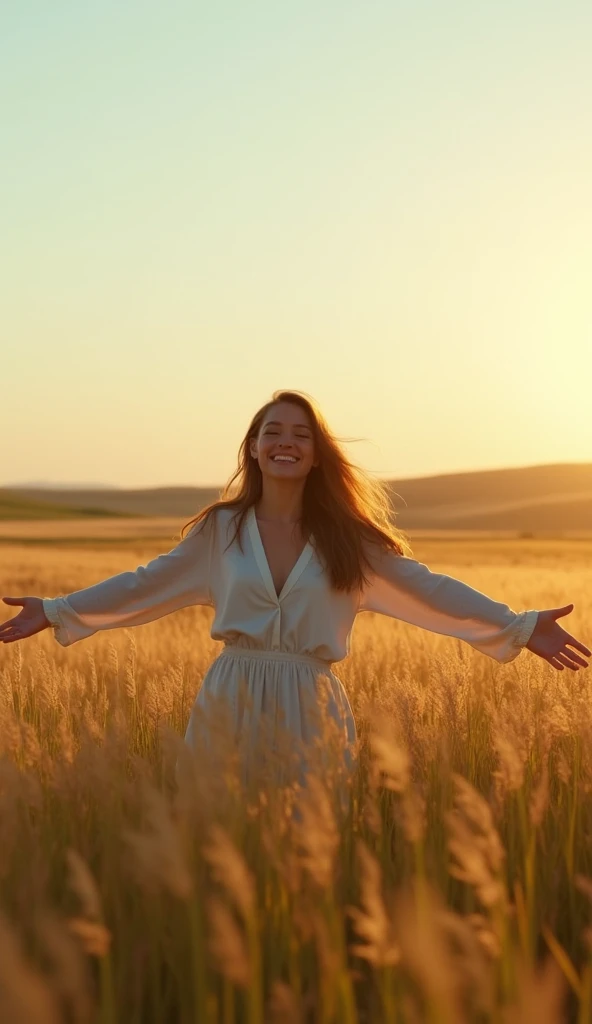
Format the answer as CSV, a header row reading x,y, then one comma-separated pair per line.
x,y
286,430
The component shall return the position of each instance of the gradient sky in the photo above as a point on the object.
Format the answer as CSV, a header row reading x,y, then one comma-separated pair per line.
x,y
386,205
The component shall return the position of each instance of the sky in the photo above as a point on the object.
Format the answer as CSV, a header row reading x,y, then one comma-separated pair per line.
x,y
386,205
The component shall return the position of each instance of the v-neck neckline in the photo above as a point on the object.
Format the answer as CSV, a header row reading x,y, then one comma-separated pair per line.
x,y
261,559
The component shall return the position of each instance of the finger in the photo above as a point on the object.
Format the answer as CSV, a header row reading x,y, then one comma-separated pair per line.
x,y
574,657
555,663
7,627
571,640
14,600
12,632
567,662
557,613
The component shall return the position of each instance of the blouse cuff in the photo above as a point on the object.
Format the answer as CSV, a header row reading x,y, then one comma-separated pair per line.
x,y
50,608
526,627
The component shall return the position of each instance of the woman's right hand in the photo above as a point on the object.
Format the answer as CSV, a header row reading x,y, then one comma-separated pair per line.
x,y
32,619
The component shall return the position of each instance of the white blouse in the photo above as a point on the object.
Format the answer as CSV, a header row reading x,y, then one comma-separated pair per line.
x,y
308,616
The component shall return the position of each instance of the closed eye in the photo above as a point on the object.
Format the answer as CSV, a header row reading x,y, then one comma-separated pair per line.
x,y
303,437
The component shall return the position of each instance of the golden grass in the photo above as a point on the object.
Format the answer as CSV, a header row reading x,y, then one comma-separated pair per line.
x,y
97,530
458,887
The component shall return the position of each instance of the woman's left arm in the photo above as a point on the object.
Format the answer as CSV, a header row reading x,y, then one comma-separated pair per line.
x,y
406,589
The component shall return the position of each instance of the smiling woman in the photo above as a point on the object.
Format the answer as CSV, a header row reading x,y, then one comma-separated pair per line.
x,y
291,553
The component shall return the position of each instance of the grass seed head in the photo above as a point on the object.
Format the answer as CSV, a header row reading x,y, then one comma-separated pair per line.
x,y
372,924
230,870
157,852
226,943
83,884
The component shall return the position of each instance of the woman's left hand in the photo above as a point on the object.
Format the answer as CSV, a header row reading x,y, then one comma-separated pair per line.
x,y
552,643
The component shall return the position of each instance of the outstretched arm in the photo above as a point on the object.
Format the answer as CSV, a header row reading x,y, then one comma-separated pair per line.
x,y
171,581
407,589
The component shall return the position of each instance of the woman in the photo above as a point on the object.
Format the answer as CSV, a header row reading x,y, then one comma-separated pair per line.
x,y
313,544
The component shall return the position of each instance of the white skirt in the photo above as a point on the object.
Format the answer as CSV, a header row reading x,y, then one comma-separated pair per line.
x,y
279,715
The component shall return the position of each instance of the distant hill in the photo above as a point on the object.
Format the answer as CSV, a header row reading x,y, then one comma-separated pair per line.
x,y
18,506
158,501
533,498
48,485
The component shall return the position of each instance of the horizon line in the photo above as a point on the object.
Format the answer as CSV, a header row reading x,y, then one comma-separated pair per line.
x,y
83,486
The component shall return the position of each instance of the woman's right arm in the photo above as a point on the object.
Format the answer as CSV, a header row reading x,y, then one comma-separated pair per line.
x,y
169,582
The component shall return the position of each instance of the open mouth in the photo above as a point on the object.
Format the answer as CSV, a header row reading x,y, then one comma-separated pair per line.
x,y
284,458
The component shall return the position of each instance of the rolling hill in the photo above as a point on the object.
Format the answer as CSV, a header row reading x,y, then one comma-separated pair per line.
x,y
15,505
534,498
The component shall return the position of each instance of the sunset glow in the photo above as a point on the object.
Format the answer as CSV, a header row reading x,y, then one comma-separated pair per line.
x,y
386,208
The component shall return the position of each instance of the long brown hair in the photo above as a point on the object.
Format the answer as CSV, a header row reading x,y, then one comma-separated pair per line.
x,y
342,506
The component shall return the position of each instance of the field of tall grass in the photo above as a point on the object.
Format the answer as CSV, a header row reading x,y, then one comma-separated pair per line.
x,y
136,888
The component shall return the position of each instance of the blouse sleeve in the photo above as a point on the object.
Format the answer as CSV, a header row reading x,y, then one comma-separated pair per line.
x,y
406,589
171,581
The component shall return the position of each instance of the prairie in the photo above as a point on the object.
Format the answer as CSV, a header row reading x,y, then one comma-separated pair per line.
x,y
457,888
